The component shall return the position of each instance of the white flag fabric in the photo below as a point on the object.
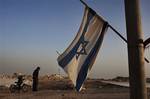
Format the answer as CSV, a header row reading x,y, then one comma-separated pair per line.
x,y
79,57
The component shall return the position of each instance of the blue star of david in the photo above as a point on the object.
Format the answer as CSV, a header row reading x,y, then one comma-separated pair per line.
x,y
81,49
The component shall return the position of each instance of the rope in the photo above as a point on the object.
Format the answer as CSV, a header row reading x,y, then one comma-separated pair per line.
x,y
124,39
119,34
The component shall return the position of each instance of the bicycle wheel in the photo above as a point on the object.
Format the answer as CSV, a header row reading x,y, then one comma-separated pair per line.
x,y
25,88
12,88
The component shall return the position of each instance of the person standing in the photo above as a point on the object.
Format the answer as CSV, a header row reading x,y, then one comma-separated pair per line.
x,y
35,79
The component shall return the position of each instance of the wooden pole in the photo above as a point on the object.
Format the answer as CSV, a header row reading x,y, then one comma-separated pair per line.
x,y
135,50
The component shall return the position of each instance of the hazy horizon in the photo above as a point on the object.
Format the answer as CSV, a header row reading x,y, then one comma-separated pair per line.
x,y
32,30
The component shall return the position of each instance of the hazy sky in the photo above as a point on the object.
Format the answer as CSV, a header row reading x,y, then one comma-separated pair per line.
x,y
32,30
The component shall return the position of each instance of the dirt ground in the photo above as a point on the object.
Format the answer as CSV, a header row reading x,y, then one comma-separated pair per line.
x,y
62,89
69,94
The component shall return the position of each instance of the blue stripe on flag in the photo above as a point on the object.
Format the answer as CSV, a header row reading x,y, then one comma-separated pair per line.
x,y
70,55
73,52
84,68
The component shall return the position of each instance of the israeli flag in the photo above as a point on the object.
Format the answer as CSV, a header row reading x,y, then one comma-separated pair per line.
x,y
79,57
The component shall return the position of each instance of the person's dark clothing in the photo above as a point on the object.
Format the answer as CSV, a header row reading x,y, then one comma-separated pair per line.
x,y
35,79
19,82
